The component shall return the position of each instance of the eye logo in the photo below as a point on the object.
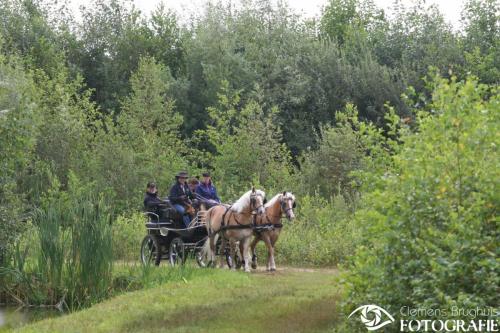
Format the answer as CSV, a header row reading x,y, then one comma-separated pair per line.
x,y
371,316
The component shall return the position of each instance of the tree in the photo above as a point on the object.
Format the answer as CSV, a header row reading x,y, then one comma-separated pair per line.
x,y
481,42
248,148
18,123
431,217
145,143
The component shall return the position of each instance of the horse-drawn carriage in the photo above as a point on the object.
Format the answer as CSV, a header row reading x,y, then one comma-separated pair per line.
x,y
169,239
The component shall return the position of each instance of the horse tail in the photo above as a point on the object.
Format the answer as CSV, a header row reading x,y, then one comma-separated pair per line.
x,y
208,251
207,219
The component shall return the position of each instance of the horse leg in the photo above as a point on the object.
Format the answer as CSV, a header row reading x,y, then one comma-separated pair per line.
x,y
211,255
256,239
233,254
274,238
241,254
267,241
222,252
246,253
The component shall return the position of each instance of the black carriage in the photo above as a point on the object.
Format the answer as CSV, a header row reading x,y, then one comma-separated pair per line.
x,y
169,239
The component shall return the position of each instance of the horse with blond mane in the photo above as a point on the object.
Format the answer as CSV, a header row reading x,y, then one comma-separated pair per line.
x,y
268,225
233,224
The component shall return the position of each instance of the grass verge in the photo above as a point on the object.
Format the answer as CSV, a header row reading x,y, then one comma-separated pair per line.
x,y
218,301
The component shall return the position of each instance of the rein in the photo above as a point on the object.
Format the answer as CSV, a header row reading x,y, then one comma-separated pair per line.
x,y
239,225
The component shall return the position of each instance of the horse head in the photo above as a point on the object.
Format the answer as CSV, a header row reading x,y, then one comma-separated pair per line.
x,y
288,204
251,201
257,201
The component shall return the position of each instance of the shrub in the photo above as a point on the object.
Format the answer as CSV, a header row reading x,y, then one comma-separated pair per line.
x,y
432,227
322,235
128,232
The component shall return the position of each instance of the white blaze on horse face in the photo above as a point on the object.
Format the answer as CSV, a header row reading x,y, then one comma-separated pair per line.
x,y
290,200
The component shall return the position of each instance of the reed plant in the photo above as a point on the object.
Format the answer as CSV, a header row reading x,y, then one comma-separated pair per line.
x,y
66,256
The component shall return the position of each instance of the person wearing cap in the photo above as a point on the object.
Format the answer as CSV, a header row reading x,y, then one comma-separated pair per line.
x,y
180,196
207,191
151,201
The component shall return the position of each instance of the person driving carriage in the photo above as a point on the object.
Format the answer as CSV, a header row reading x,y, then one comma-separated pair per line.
x,y
207,192
151,201
181,196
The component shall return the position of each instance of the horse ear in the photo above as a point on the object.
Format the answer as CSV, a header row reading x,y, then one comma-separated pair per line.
x,y
284,193
253,189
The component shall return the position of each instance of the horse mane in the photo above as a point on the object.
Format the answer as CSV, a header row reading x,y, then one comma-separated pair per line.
x,y
244,202
277,197
273,200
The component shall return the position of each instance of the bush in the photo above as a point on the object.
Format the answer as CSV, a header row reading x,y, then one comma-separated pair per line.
x,y
432,227
128,232
322,234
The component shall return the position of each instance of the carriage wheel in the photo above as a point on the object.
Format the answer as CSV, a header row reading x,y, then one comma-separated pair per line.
x,y
150,250
177,255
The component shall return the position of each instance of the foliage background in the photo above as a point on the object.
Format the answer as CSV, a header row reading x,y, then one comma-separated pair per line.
x,y
385,128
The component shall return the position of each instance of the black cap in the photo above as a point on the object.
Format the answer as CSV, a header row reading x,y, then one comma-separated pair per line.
x,y
151,185
182,174
206,174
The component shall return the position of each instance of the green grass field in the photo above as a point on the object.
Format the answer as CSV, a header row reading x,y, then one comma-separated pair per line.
x,y
290,300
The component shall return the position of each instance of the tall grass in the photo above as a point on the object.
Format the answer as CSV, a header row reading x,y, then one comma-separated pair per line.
x,y
66,256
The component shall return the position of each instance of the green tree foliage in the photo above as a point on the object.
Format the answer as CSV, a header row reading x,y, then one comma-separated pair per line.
x,y
253,92
145,144
482,39
248,146
17,132
329,168
341,17
114,38
431,225
28,31
417,37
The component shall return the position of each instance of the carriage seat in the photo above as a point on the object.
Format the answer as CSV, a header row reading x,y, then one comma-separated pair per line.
x,y
164,213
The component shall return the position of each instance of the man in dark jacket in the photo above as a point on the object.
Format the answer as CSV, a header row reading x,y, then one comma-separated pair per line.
x,y
207,191
180,196
151,201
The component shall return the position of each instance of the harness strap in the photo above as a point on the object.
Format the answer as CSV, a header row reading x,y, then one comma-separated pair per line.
x,y
267,227
239,226
224,215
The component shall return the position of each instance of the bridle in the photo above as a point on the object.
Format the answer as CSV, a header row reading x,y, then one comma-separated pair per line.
x,y
253,202
284,207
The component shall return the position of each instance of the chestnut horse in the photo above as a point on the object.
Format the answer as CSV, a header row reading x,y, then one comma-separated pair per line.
x,y
234,224
268,225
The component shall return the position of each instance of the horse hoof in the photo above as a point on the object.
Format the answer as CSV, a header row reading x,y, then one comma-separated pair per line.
x,y
254,265
272,270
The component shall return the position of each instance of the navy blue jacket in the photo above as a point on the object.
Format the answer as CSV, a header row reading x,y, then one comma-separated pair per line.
x,y
151,202
207,191
180,194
